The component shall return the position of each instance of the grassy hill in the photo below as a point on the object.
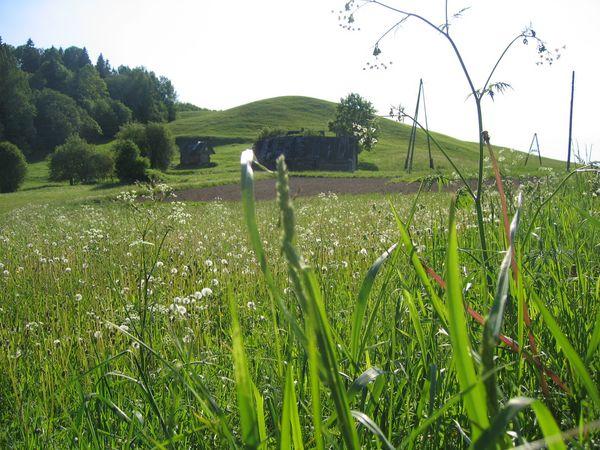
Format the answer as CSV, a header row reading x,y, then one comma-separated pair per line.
x,y
235,129
387,159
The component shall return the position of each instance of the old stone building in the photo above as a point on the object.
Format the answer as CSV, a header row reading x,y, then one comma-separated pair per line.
x,y
309,152
195,153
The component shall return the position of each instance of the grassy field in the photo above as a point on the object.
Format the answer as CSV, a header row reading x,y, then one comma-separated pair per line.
x,y
127,324
235,129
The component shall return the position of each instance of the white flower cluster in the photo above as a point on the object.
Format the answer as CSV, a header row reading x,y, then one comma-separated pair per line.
x,y
365,135
127,196
178,213
179,308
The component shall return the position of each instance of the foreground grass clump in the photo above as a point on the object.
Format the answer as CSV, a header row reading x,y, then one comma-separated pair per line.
x,y
161,324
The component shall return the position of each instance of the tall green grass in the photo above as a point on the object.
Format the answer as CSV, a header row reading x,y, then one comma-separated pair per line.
x,y
310,323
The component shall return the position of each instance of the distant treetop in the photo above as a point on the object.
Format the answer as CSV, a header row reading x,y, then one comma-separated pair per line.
x,y
49,94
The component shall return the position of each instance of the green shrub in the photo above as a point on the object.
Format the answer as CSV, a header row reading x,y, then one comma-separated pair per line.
x,y
268,132
136,133
78,161
129,164
155,176
154,141
161,145
13,167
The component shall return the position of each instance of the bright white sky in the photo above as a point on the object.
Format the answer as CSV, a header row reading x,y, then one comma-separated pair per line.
x,y
223,53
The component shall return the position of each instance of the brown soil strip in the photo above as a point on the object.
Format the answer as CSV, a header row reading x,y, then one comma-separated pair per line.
x,y
307,186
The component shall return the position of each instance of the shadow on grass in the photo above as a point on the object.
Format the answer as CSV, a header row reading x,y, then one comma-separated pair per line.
x,y
190,169
362,165
44,186
104,186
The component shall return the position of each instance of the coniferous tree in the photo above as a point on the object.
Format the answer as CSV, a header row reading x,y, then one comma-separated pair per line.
x,y
52,74
96,100
28,57
75,58
16,103
103,67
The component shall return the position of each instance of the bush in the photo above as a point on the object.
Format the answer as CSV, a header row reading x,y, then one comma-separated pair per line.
x,y
267,132
154,176
101,165
154,141
130,166
13,167
78,161
161,145
110,115
136,133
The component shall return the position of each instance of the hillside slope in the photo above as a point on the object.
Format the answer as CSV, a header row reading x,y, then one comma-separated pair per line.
x,y
235,129
292,112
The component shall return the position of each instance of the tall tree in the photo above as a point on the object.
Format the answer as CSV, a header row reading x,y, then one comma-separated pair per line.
x,y
16,103
355,116
103,67
28,57
88,86
58,118
75,58
149,98
52,74
169,97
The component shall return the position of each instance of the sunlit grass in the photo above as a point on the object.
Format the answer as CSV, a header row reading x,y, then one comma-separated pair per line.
x,y
117,329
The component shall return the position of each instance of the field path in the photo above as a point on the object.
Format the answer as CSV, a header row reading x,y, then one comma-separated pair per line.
x,y
307,186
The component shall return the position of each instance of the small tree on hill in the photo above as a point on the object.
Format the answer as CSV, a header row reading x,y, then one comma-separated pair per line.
x,y
355,116
78,161
161,145
129,165
154,141
13,167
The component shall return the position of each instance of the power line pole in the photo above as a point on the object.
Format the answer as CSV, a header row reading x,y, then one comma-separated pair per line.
x,y
427,126
531,149
413,133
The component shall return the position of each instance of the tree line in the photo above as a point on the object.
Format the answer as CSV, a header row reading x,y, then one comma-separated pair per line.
x,y
48,95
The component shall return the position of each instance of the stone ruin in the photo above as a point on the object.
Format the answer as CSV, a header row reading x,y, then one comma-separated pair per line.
x,y
309,152
195,153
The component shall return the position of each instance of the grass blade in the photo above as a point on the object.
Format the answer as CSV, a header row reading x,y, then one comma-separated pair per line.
x,y
409,248
475,399
549,427
498,427
595,339
243,383
493,324
366,421
568,350
309,293
414,317
291,432
363,297
248,206
260,414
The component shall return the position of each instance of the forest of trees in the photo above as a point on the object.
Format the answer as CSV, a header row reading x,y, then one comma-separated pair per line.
x,y
48,95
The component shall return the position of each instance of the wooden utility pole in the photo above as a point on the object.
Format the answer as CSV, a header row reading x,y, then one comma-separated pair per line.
x,y
427,126
531,149
571,122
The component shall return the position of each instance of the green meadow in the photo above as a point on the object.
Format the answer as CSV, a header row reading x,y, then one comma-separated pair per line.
x,y
235,129
243,325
